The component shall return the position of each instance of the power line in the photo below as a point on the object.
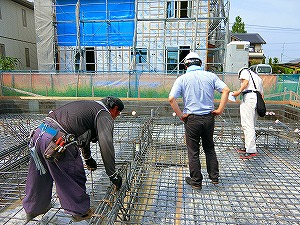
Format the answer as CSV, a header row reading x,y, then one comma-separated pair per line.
x,y
286,43
271,28
274,28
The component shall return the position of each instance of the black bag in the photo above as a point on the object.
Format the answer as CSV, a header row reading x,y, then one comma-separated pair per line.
x,y
260,105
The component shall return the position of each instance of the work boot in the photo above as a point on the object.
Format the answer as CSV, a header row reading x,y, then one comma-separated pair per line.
x,y
32,216
214,180
188,180
86,216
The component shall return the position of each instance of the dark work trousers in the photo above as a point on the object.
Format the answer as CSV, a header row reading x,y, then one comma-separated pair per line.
x,y
69,177
201,127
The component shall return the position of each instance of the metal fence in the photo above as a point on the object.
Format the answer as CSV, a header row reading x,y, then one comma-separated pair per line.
x,y
122,84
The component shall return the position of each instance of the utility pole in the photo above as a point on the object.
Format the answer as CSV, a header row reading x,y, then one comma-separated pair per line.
x,y
282,52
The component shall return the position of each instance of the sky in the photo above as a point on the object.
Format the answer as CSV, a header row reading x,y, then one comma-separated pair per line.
x,y
276,21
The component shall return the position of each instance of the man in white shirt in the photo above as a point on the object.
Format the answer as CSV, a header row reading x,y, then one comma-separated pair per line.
x,y
197,88
248,111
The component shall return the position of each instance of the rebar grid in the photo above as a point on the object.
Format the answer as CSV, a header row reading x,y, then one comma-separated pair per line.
x,y
160,196
14,132
152,158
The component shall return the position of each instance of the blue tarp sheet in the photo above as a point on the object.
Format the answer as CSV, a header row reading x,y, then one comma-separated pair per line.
x,y
101,24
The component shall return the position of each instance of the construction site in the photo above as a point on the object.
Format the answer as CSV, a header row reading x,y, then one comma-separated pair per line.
x,y
151,155
125,53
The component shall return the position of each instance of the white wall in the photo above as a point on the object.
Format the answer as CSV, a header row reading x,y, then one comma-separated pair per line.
x,y
237,56
15,36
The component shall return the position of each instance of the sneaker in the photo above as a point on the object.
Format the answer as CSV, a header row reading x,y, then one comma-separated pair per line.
x,y
86,216
188,180
241,151
248,155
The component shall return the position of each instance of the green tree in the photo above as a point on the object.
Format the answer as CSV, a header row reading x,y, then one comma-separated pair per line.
x,y
275,60
270,61
238,26
8,63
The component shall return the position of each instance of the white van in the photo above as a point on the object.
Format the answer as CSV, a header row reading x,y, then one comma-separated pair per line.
x,y
261,69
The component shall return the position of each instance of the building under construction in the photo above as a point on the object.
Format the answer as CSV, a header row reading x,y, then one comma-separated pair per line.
x,y
144,35
111,37
151,156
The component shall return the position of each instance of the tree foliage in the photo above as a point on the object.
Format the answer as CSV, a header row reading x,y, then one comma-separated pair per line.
x,y
238,26
275,60
281,69
8,63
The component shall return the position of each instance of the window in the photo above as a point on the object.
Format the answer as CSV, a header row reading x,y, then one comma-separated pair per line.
x,y
171,9
77,61
140,55
24,18
2,50
252,48
27,58
179,9
172,60
184,9
90,59
88,55
175,57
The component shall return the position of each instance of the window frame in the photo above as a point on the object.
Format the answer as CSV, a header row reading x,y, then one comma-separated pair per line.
x,y
176,67
175,9
27,57
142,58
24,18
2,50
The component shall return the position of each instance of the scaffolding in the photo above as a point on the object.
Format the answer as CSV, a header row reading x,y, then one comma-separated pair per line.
x,y
142,35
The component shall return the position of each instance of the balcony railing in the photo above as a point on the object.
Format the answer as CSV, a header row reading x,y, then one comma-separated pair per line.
x,y
251,50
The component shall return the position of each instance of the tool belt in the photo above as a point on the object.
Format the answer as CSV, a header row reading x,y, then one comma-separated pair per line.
x,y
59,142
48,129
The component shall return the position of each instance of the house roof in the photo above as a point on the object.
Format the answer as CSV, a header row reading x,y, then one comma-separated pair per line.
x,y
253,38
25,3
294,62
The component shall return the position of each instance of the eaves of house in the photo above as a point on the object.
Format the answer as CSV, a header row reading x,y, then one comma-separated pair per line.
x,y
253,38
25,3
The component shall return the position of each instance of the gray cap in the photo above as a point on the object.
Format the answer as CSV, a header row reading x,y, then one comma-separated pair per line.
x,y
111,102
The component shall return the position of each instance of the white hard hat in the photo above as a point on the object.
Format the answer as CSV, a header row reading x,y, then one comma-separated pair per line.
x,y
192,59
192,55
243,68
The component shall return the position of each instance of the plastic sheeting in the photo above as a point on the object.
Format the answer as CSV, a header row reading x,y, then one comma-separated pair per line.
x,y
102,23
45,34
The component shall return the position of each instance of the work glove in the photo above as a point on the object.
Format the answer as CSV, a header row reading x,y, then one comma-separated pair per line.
x,y
91,164
116,180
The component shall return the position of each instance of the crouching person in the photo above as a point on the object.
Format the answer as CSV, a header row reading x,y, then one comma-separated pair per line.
x,y
57,147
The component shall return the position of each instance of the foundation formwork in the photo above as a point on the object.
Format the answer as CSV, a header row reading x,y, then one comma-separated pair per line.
x,y
152,158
